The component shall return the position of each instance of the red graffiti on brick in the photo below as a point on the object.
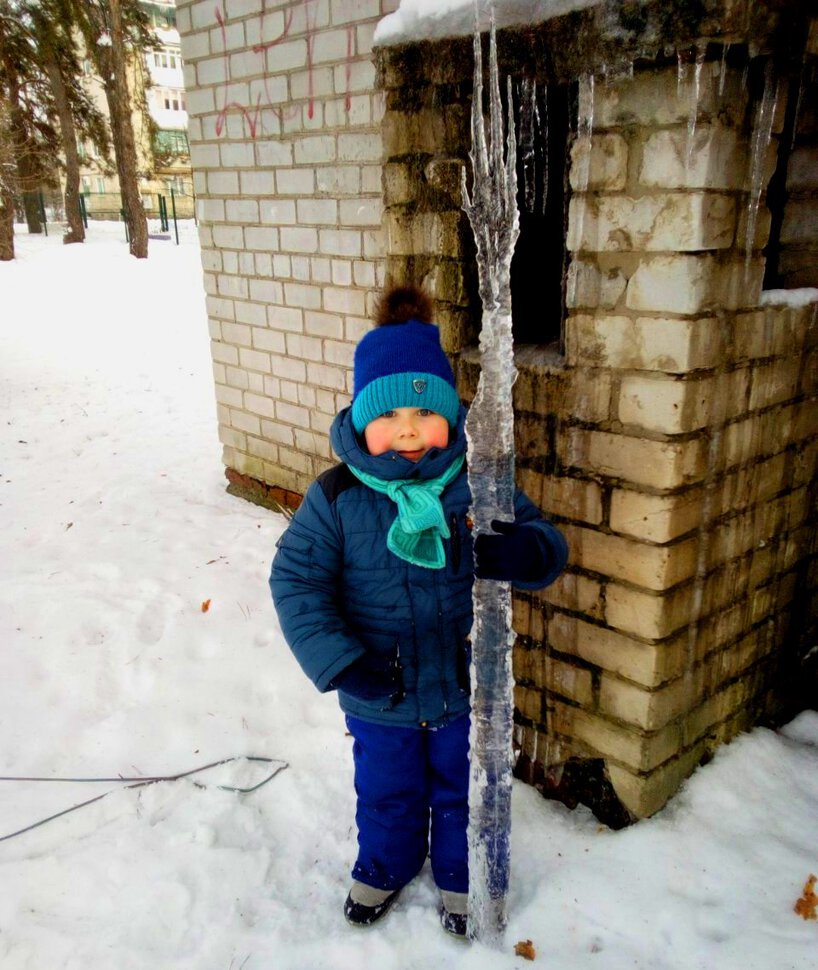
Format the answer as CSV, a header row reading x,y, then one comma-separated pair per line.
x,y
251,112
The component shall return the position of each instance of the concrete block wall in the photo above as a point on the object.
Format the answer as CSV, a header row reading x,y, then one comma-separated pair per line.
x,y
285,140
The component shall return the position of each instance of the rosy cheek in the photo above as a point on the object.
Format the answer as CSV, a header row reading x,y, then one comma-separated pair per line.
x,y
439,434
378,439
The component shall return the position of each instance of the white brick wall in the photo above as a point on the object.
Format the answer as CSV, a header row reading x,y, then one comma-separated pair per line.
x,y
286,152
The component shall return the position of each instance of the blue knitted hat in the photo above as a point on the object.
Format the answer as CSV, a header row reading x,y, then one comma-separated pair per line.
x,y
402,365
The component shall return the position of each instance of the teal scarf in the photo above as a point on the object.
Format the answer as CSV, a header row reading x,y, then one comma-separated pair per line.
x,y
418,532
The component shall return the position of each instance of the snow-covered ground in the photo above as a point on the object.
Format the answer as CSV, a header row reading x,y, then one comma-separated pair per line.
x,y
116,528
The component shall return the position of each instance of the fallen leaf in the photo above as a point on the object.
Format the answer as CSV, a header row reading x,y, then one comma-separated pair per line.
x,y
525,949
807,904
205,606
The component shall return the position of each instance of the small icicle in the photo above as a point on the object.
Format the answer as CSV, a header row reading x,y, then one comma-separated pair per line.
x,y
798,101
681,74
762,134
528,136
723,75
545,160
582,157
693,111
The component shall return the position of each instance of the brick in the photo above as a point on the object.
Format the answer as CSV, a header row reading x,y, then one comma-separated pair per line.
x,y
308,348
576,593
277,212
361,212
254,360
270,340
259,405
625,746
337,352
714,159
315,149
675,222
323,324
644,795
607,167
650,566
659,403
655,518
339,180
573,683
266,291
683,284
258,237
323,375
317,212
647,615
774,383
299,239
590,286
295,181
644,663
656,98
659,464
245,422
649,710
338,300
229,396
237,334
302,295
569,498
340,242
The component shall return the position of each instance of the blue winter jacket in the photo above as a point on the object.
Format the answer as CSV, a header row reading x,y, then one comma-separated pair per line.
x,y
339,592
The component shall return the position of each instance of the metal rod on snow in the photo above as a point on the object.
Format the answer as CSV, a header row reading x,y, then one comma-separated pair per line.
x,y
492,210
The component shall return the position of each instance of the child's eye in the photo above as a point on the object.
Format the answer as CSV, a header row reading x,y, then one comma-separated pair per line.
x,y
388,414
425,412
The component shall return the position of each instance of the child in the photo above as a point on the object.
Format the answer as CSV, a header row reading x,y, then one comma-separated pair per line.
x,y
372,584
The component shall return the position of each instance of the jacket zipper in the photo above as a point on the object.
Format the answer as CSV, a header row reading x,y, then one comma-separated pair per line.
x,y
455,539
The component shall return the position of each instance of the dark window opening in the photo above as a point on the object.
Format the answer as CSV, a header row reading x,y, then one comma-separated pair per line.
x,y
543,119
792,250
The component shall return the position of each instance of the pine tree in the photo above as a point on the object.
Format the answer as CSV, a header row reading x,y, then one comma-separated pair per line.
x,y
31,137
53,32
116,34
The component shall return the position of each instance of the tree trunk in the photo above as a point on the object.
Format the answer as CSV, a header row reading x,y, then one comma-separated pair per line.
x,y
119,106
6,225
22,153
31,203
68,135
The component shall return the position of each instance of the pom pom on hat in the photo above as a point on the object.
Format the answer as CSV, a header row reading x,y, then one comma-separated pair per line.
x,y
401,363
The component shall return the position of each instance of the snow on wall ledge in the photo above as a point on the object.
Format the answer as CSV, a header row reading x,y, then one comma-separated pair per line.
x,y
433,19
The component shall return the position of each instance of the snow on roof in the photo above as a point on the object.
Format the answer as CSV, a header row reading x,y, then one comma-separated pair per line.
x,y
792,298
432,19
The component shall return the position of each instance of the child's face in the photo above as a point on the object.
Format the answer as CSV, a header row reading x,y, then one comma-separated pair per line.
x,y
409,431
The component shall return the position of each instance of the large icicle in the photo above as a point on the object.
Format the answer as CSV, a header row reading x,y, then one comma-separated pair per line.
x,y
762,135
529,124
494,218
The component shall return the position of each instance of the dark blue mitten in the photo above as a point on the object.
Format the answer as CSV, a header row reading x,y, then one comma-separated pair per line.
x,y
370,677
519,553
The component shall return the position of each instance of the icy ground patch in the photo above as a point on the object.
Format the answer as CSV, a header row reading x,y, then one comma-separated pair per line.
x,y
116,528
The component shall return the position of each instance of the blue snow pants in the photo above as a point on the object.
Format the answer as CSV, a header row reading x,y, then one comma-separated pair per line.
x,y
408,780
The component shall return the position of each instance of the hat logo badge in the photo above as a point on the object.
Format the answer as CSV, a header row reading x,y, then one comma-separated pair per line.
x,y
419,385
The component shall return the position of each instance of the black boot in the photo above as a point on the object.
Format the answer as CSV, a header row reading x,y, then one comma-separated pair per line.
x,y
453,912
365,905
